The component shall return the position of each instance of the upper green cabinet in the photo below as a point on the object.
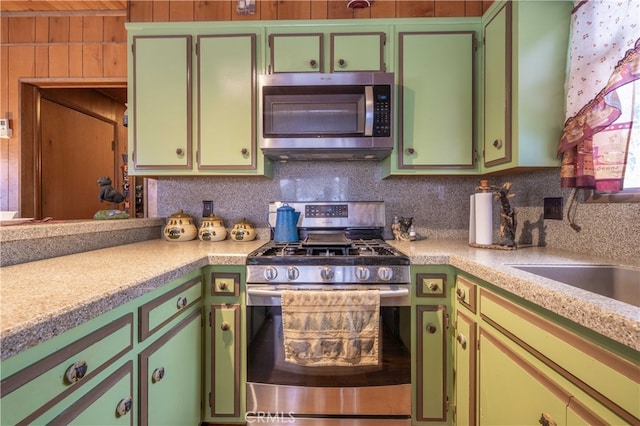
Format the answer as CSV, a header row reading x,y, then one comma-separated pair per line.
x,y
226,102
304,49
160,93
194,100
435,100
525,51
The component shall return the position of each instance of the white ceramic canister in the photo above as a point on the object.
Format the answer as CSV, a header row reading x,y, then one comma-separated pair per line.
x,y
180,227
212,229
243,230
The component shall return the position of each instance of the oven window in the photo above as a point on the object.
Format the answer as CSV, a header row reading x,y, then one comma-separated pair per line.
x,y
265,357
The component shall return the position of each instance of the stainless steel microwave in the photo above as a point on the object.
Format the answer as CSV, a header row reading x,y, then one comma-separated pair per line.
x,y
338,116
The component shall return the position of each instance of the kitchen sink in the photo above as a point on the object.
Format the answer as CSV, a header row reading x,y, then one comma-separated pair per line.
x,y
617,282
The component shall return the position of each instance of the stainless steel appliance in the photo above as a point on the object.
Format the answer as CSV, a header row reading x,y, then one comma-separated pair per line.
x,y
342,116
341,247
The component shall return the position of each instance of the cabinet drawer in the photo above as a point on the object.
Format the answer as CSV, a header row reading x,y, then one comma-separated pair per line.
x,y
431,285
33,390
466,293
225,284
161,310
608,378
109,402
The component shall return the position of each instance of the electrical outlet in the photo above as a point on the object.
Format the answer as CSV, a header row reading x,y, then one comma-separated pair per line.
x,y
553,208
207,208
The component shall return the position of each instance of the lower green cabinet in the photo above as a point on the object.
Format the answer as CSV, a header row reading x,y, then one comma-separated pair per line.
x,y
514,391
110,401
170,379
225,369
517,364
104,372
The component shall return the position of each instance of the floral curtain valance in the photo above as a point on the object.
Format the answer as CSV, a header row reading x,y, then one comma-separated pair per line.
x,y
602,93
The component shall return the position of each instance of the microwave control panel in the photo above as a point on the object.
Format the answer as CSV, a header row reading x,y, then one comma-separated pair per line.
x,y
382,110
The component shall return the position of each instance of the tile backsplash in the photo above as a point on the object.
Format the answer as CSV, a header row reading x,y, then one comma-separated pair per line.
x,y
439,205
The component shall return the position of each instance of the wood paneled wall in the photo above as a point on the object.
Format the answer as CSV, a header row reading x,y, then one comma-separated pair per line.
x,y
75,50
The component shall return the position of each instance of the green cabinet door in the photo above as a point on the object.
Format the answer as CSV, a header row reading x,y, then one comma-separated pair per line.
x,y
226,366
170,373
160,117
436,100
465,369
357,52
497,88
512,391
227,102
431,401
296,52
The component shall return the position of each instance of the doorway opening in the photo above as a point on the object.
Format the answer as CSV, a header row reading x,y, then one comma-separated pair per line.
x,y
71,135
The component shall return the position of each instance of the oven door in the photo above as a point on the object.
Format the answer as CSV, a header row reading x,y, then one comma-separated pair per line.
x,y
277,386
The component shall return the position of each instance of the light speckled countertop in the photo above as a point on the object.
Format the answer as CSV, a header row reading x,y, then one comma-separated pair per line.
x,y
41,299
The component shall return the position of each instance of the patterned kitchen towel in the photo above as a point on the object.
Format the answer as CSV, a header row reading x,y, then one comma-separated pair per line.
x,y
331,327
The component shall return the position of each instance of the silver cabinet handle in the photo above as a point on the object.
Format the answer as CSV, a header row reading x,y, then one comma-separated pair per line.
x,y
76,372
124,406
157,375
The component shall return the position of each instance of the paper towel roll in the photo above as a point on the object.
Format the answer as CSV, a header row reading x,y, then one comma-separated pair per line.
x,y
484,218
472,219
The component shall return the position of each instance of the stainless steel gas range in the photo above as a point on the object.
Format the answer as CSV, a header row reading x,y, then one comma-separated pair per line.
x,y
340,249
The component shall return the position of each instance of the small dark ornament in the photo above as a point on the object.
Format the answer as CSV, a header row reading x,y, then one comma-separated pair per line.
x,y
508,221
401,229
107,193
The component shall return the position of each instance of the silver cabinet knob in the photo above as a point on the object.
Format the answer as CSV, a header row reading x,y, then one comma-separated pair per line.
x,y
430,328
342,63
461,293
180,152
461,340
76,372
182,302
433,286
124,406
313,63
157,375
497,144
225,326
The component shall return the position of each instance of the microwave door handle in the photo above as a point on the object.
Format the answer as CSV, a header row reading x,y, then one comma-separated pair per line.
x,y
368,110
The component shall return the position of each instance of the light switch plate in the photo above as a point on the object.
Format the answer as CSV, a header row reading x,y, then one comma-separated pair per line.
x,y
553,208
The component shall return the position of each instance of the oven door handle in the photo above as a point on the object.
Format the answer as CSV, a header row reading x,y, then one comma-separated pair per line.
x,y
277,292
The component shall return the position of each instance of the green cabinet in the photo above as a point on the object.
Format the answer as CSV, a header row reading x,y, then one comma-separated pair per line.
x,y
226,102
303,49
525,53
194,100
518,364
435,102
171,375
105,371
225,371
431,381
160,107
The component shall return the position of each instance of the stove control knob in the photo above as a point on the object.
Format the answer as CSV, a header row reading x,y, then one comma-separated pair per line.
x,y
292,273
270,273
326,273
385,273
362,273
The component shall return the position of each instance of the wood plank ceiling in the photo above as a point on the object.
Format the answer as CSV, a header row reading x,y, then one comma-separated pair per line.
x,y
62,5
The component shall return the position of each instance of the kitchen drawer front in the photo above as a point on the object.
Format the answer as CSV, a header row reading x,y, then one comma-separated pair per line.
x,y
225,284
466,292
163,309
109,402
431,285
611,380
33,390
